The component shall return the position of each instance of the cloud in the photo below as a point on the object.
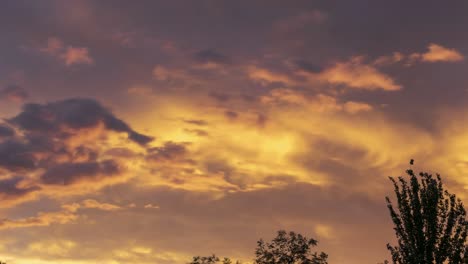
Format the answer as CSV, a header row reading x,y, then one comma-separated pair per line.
x,y
211,56
319,102
231,115
14,93
66,215
17,156
70,55
307,66
93,204
72,173
65,118
284,95
6,131
52,248
170,151
435,53
438,53
54,46
16,188
266,77
389,60
197,122
357,75
151,206
300,20
162,73
355,107
76,55
198,132
75,145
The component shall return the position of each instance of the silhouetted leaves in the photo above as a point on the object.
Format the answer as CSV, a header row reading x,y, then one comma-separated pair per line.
x,y
213,259
288,248
430,222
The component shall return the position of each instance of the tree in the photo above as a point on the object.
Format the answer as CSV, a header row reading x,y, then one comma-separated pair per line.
x,y
213,259
429,222
289,248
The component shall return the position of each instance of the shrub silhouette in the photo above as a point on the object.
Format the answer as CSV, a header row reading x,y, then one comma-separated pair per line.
x,y
285,248
213,259
288,248
429,222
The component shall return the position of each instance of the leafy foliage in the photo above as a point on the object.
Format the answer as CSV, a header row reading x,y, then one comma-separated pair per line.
x,y
213,259
430,222
288,248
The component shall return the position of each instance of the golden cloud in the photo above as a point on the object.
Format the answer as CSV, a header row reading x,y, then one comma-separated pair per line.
x,y
439,53
67,215
357,75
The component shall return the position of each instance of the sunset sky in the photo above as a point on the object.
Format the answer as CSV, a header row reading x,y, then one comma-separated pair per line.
x,y
143,132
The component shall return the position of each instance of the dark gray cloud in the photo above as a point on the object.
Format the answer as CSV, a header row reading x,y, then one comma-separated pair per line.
x,y
70,173
198,132
211,56
6,131
220,97
14,93
170,151
16,155
231,115
307,66
76,113
197,122
10,189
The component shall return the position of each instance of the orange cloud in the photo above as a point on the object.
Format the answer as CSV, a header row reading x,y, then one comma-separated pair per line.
x,y
319,102
76,56
284,95
265,77
71,55
439,53
357,75
355,107
68,214
93,204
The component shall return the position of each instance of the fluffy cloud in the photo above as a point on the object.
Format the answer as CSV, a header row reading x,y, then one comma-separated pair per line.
x,y
438,53
65,118
435,53
63,144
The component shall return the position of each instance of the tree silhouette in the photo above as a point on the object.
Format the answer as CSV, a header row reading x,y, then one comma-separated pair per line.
x,y
429,223
213,259
289,248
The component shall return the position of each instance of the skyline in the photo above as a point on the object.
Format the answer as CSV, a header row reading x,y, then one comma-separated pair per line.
x,y
154,131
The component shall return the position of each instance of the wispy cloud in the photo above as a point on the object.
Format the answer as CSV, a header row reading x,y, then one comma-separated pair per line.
x,y
69,55
355,74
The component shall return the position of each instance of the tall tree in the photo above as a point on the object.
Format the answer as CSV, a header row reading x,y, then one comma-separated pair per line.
x,y
288,248
429,222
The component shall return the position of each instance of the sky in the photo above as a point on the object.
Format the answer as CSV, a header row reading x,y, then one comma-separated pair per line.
x,y
153,131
